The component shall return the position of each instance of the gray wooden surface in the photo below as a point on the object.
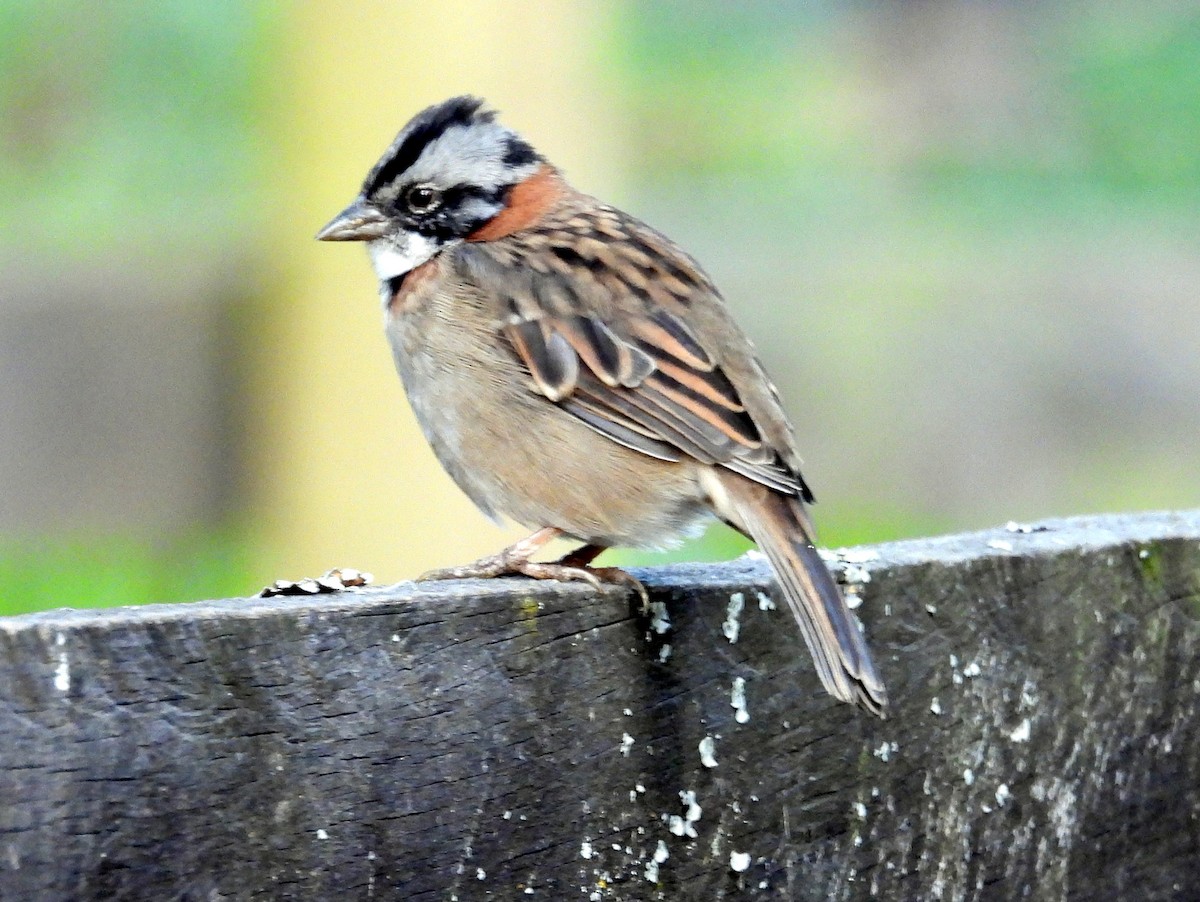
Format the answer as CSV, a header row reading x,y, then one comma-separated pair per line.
x,y
511,740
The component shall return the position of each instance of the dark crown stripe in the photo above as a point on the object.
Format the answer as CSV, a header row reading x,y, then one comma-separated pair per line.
x,y
519,154
425,128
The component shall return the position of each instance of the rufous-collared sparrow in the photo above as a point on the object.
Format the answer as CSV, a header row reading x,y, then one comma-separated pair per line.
x,y
576,371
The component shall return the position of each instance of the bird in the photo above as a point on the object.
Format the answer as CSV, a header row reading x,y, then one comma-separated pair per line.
x,y
576,371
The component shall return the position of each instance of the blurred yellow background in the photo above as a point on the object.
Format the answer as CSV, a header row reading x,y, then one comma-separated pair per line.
x,y
962,235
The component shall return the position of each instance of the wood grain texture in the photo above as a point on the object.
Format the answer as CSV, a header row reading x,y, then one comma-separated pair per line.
x,y
508,740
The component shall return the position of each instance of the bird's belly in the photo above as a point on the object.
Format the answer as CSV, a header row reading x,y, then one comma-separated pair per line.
x,y
514,453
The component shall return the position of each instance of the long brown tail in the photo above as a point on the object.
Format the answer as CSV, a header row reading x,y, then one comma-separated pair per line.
x,y
781,528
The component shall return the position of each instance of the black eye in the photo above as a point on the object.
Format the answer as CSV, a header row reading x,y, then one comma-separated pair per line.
x,y
422,199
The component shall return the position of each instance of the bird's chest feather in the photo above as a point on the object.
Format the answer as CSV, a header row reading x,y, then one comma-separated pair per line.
x,y
465,389
448,351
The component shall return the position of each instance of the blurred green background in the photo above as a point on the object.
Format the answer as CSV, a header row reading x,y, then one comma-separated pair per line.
x,y
963,236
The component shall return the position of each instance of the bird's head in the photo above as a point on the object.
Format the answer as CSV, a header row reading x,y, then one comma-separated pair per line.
x,y
449,176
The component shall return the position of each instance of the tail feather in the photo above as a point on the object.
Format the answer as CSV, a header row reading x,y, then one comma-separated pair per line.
x,y
780,527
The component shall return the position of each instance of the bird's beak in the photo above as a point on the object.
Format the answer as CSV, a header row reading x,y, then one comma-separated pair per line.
x,y
358,222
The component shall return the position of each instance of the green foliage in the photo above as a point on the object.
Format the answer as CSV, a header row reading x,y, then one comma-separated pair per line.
x,y
1138,93
725,87
38,574
126,122
771,90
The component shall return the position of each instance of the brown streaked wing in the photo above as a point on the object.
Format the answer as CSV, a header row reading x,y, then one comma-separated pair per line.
x,y
734,424
580,359
641,377
608,422
666,332
636,406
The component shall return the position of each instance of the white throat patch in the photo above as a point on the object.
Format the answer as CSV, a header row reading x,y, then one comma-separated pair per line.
x,y
393,257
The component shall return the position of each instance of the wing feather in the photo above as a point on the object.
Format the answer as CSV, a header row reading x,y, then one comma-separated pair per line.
x,y
548,356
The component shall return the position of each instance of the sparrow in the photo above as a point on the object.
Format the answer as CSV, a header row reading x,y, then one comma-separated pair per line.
x,y
576,371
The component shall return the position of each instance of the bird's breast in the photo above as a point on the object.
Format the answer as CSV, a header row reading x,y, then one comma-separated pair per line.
x,y
512,451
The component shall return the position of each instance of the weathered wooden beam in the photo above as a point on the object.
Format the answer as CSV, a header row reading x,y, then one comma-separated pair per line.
x,y
516,740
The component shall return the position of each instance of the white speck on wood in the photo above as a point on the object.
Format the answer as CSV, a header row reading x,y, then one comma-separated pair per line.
x,y
935,706
739,861
62,673
661,853
764,602
732,627
968,776
626,744
853,599
1022,731
664,653
480,874
685,825
585,849
660,620
708,750
860,809
322,834
737,701
856,573
971,670
1002,794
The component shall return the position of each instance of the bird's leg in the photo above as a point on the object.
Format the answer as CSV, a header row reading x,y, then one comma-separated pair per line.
x,y
515,560
582,556
512,560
